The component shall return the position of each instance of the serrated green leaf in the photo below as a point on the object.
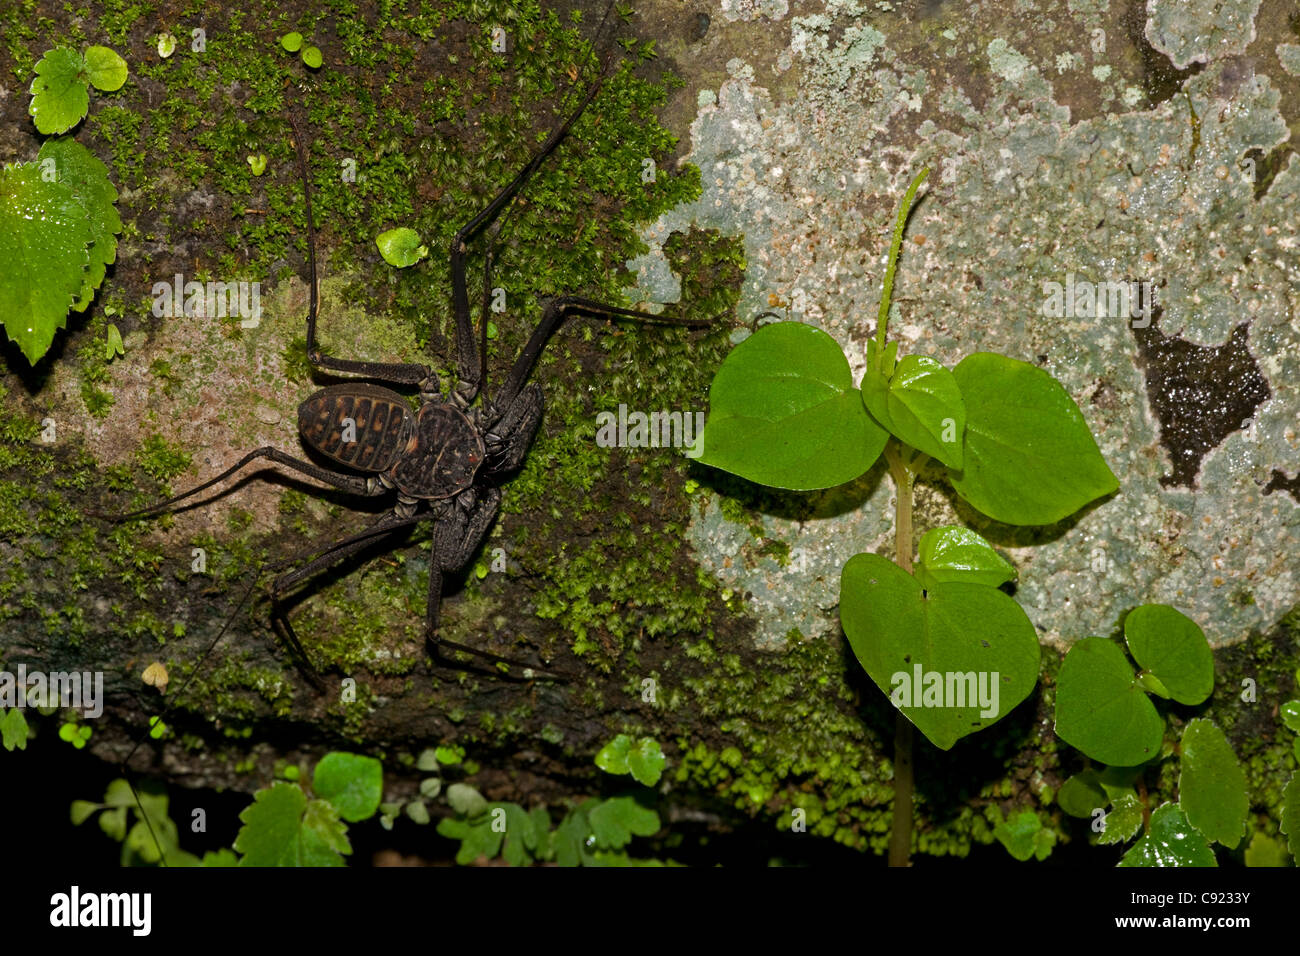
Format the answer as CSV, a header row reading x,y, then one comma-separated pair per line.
x,y
784,412
312,57
646,761
1291,815
477,836
465,800
401,247
1030,458
1122,822
954,553
1171,646
14,730
324,835
282,828
105,70
45,234
1212,785
519,835
292,42
354,784
541,845
1024,836
574,840
1172,841
615,821
1082,794
921,405
82,172
612,757
60,96
1100,708
449,756
220,858
954,629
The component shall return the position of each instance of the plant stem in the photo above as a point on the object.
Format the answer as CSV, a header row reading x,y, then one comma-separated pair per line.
x,y
882,318
900,836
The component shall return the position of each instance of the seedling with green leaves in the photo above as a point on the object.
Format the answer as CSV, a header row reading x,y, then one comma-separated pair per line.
x,y
58,215
61,90
1110,712
285,825
311,55
1005,434
594,833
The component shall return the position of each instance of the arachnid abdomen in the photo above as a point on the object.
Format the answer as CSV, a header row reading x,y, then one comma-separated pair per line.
x,y
358,425
441,456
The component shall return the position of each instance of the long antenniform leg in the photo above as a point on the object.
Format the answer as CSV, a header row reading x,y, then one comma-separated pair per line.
x,y
398,373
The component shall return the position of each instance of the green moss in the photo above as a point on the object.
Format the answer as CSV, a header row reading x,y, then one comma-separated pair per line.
x,y
161,459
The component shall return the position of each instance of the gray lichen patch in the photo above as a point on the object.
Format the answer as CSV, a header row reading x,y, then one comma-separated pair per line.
x,y
805,150
1196,31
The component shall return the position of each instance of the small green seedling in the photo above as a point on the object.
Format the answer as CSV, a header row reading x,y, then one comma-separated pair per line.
x,y
60,92
1105,709
257,163
643,759
311,56
113,343
166,45
401,247
14,730
953,652
76,734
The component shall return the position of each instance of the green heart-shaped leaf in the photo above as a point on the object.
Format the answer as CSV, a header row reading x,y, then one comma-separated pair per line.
x,y
105,70
921,405
784,412
312,57
970,648
401,247
954,553
1172,841
1029,457
1172,647
1101,709
292,41
1082,794
1212,785
351,782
